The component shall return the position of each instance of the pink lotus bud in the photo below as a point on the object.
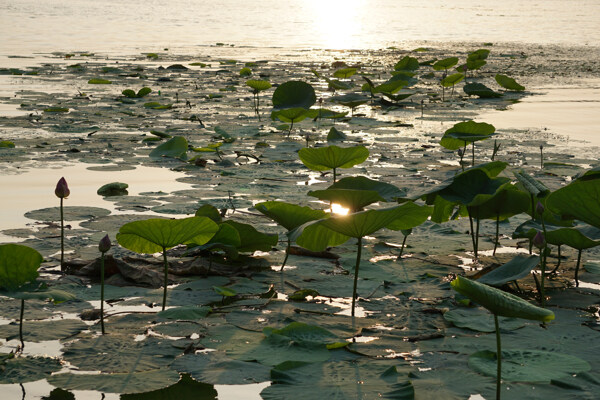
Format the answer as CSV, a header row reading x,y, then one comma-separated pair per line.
x,y
104,244
539,208
539,240
460,152
62,189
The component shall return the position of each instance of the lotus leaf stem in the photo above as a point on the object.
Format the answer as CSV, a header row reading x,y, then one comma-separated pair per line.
x,y
558,262
21,323
102,292
166,278
334,175
473,154
577,268
498,358
287,253
402,248
358,254
497,233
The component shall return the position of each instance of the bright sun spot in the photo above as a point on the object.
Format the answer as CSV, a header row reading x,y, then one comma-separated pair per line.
x,y
339,210
338,24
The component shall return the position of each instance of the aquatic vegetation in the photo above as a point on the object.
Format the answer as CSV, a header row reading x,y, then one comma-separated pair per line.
x,y
467,132
450,81
62,192
291,101
99,81
103,247
158,235
113,189
332,157
7,144
508,83
257,87
143,92
480,90
175,147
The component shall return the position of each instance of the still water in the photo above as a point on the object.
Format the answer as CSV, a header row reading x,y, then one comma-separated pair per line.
x,y
117,26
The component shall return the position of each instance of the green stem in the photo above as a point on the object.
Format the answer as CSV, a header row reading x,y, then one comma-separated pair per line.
x,y
287,253
477,234
577,268
473,154
358,254
402,248
102,293
334,175
62,237
21,324
497,232
557,263
166,279
498,358
472,230
543,267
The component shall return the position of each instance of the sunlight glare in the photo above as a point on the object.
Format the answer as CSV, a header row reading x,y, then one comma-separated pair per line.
x,y
338,25
339,210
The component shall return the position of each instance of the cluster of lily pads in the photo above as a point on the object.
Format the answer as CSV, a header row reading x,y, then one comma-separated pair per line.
x,y
305,345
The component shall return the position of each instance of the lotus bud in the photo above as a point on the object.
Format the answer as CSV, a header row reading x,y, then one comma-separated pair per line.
x,y
541,147
539,208
104,244
539,240
62,189
460,153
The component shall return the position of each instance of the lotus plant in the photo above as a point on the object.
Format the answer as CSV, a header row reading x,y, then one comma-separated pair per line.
x,y
62,192
103,246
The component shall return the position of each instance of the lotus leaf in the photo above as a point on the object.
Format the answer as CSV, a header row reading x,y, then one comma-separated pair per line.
x,y
517,268
335,135
294,94
344,73
176,147
578,200
258,85
480,90
332,157
466,132
479,320
251,239
186,388
18,265
445,63
288,215
27,369
218,369
407,63
508,83
452,80
113,189
99,81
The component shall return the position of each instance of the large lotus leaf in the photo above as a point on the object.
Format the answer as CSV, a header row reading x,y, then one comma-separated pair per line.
x,y
124,383
505,203
18,265
407,63
152,235
360,379
186,389
69,213
499,302
445,63
473,188
176,147
210,211
315,236
480,90
532,185
39,291
251,239
405,76
344,73
336,84
466,132
581,237
409,216
27,369
226,237
295,114
386,190
41,331
288,215
480,320
351,99
578,200
180,329
354,200
258,85
474,64
390,87
120,353
508,83
452,80
218,369
528,365
294,94
452,381
304,332
519,267
325,158
480,54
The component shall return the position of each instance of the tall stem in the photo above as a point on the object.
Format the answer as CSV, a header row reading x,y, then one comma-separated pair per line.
x,y
166,279
287,253
21,323
472,231
477,234
498,358
102,292
358,251
497,232
334,175
402,248
577,268
62,237
543,268
473,154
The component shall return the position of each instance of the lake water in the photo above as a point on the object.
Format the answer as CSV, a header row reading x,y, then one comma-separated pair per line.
x,y
30,26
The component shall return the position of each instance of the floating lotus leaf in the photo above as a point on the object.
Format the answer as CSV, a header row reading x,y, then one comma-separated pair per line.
x,y
218,369
99,81
499,302
71,213
185,389
528,365
123,383
288,215
480,90
294,94
519,267
407,63
176,147
18,265
305,332
155,105
113,189
7,144
325,158
56,110
41,331
27,369
160,134
480,320
190,313
508,83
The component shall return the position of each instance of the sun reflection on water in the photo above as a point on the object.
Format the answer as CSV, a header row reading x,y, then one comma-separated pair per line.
x,y
338,25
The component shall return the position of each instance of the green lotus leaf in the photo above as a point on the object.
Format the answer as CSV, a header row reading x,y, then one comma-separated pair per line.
x,y
113,189
481,54
505,203
532,185
325,158
304,332
452,80
251,239
27,369
288,215
128,93
145,91
344,73
519,267
189,313
18,265
296,114
335,135
401,95
405,76
390,87
480,320
275,349
446,63
227,239
155,105
153,235
56,110
581,237
473,65
258,85
245,71
40,331
473,188
210,211
578,200
409,216
386,190
218,369
480,90
334,84
99,81
508,83
466,132
528,365
176,148
407,63
7,144
294,94
354,200
185,389
499,302
160,134
123,383
351,100
316,237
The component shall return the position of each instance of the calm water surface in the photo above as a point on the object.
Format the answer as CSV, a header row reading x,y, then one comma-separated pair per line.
x,y
29,26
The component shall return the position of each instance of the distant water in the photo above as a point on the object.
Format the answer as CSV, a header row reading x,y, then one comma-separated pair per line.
x,y
125,26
